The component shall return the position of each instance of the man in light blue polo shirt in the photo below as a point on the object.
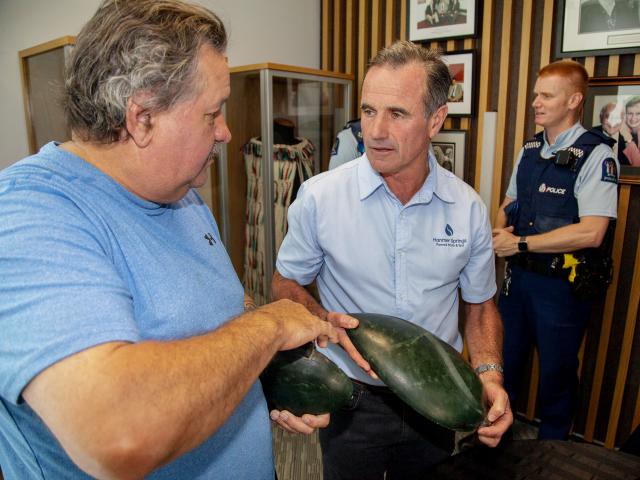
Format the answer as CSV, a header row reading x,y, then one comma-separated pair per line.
x,y
394,233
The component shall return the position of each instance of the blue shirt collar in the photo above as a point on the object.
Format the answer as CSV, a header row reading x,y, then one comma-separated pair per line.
x,y
436,183
565,139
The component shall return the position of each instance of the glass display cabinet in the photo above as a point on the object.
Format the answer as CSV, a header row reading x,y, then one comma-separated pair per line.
x,y
42,72
283,121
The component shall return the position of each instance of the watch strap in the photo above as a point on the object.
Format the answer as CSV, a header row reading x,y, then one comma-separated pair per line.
x,y
488,367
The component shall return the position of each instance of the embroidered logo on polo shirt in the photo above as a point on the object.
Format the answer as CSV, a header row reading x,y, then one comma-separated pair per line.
x,y
547,189
451,241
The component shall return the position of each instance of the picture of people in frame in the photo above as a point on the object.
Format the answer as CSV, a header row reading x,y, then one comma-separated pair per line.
x,y
456,90
608,15
445,154
619,118
443,12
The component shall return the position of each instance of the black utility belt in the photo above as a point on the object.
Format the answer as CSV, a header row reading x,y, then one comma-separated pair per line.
x,y
548,266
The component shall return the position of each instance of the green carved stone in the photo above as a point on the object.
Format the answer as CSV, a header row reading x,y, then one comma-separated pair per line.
x,y
425,372
305,381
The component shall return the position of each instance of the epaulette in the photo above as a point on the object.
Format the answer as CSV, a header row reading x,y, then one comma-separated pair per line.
x,y
578,152
532,144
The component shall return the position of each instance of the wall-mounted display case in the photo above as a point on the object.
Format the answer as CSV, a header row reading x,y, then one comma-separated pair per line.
x,y
42,71
283,121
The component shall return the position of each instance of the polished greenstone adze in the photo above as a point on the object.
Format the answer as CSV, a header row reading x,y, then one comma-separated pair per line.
x,y
425,372
305,381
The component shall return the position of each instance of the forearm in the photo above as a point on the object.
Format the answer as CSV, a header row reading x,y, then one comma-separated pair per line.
x,y
139,406
483,333
501,216
282,287
588,233
501,219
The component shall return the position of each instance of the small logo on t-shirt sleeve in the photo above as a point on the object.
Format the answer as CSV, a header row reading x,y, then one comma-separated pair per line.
x,y
208,236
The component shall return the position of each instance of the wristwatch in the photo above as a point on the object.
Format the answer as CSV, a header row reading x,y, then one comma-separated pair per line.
x,y
523,246
488,367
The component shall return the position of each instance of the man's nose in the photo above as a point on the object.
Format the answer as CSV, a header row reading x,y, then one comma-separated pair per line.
x,y
379,127
222,133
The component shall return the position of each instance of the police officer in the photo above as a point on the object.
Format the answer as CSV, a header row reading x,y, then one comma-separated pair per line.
x,y
551,225
348,145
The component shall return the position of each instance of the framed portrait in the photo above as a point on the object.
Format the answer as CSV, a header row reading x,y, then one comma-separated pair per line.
x,y
461,67
613,106
437,19
449,147
597,27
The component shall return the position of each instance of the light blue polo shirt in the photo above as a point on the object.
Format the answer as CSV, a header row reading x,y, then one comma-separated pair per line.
x,y
595,196
370,253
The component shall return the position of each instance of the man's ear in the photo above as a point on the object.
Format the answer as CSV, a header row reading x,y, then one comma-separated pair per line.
x,y
436,120
575,100
139,121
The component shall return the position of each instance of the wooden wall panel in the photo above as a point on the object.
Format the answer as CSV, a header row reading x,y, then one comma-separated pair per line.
x,y
515,40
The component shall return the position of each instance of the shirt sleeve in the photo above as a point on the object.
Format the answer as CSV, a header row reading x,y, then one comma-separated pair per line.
x,y
512,189
345,149
478,278
300,256
59,292
596,187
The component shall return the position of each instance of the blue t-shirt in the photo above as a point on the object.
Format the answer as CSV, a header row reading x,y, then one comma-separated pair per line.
x,y
370,253
83,261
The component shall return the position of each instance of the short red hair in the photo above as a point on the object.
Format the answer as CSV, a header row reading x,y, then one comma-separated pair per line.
x,y
571,70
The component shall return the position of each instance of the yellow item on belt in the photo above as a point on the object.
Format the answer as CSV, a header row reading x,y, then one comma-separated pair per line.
x,y
571,262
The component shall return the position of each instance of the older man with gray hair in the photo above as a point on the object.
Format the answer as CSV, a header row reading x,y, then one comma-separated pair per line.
x,y
125,352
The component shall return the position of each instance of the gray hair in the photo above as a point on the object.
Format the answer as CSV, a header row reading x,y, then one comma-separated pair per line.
x,y
132,46
437,76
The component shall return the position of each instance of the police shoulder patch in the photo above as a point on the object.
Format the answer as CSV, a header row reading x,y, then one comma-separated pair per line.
x,y
609,171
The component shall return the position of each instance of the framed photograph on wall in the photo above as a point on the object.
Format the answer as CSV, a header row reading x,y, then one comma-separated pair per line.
x,y
597,27
437,19
461,67
449,147
613,106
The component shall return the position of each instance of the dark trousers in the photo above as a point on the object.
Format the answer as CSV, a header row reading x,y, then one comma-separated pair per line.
x,y
541,310
378,433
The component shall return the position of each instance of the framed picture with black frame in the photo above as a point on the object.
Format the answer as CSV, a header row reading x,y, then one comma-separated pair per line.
x,y
439,19
461,92
612,105
586,28
450,149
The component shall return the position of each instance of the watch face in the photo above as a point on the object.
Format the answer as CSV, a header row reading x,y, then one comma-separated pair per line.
x,y
523,246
